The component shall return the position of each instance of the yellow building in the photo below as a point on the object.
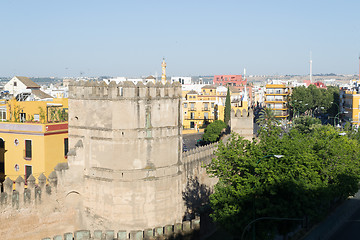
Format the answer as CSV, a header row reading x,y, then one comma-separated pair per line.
x,y
349,106
202,108
33,137
276,98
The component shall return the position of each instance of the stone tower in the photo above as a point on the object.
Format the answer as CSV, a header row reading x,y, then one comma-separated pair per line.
x,y
128,152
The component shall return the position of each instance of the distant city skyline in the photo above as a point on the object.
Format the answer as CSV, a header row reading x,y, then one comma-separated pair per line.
x,y
130,38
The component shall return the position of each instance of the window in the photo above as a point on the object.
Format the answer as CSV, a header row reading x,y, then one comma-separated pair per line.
x,y
185,105
15,84
36,117
192,106
212,105
22,117
206,106
192,115
28,152
28,172
2,114
206,115
66,146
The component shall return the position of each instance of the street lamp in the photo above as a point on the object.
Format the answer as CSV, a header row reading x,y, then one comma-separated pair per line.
x,y
336,116
336,104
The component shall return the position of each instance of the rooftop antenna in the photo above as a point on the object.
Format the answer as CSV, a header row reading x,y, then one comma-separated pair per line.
x,y
310,67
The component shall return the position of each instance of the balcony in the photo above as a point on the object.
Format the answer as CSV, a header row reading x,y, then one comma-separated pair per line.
x,y
269,92
205,109
192,109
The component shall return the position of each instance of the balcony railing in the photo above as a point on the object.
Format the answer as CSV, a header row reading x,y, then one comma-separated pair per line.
x,y
192,109
206,109
275,92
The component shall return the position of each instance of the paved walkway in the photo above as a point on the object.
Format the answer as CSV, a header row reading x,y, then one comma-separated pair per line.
x,y
325,229
190,140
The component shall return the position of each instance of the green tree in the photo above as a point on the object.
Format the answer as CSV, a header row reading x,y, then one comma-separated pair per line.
x,y
306,124
227,110
213,131
314,100
316,169
267,118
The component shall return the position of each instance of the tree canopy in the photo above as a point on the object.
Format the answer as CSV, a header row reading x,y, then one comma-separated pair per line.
x,y
213,131
306,124
312,99
317,168
267,117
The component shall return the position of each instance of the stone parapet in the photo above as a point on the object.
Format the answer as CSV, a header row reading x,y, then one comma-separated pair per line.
x,y
200,153
123,90
242,123
166,232
22,196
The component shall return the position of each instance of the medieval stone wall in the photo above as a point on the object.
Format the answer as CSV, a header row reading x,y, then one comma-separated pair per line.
x,y
126,170
131,138
38,209
242,123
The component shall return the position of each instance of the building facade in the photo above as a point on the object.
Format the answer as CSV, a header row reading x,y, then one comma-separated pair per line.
x,y
349,106
33,137
276,98
229,80
200,109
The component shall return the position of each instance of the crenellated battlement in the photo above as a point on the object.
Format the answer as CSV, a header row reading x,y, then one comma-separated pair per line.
x,y
241,114
242,122
125,170
16,194
166,232
200,153
123,90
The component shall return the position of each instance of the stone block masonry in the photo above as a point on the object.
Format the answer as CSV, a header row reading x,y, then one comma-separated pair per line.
x,y
169,231
131,152
242,123
125,170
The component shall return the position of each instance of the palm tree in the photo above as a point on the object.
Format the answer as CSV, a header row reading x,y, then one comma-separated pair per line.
x,y
267,117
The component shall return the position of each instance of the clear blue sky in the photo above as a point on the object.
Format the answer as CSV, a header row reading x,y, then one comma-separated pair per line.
x,y
130,38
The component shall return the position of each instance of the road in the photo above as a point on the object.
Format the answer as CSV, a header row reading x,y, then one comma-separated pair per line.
x,y
190,140
350,229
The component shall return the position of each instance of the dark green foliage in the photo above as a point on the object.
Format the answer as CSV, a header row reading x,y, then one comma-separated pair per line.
x,y
306,124
213,130
312,99
227,110
316,170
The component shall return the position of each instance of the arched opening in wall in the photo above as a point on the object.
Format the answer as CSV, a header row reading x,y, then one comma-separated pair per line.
x,y
73,199
2,160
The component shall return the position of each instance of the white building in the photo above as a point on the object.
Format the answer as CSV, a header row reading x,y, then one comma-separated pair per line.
x,y
24,89
182,80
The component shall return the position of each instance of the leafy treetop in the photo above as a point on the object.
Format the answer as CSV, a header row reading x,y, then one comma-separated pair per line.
x,y
316,169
